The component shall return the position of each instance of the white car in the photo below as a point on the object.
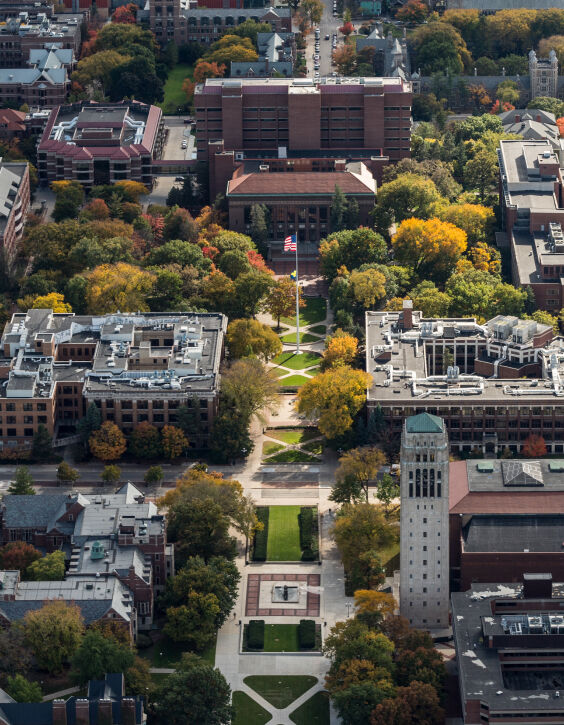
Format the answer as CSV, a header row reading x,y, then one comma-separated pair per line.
x,y
184,145
316,57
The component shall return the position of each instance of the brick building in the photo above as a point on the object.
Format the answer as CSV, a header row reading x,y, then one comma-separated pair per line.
x,y
298,202
509,642
532,205
494,384
14,205
25,31
101,143
134,367
106,537
12,124
105,702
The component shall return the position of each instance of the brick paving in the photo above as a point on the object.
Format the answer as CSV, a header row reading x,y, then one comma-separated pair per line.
x,y
253,592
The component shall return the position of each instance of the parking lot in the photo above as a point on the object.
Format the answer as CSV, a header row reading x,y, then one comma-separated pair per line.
x,y
178,131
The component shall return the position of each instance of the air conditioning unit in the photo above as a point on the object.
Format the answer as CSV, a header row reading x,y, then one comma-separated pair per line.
x,y
239,155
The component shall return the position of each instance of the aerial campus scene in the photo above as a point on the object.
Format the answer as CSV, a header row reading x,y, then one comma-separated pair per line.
x,y
281,362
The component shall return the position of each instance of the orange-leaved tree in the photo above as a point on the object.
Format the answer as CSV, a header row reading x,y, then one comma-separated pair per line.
x,y
108,442
534,447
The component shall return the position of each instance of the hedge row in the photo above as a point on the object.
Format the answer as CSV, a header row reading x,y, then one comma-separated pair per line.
x,y
255,634
309,535
260,540
306,634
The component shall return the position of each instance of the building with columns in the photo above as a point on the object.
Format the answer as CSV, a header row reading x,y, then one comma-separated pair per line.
x,y
424,543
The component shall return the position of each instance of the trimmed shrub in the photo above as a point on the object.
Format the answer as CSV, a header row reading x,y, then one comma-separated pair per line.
x,y
255,634
309,537
143,641
308,555
306,633
261,537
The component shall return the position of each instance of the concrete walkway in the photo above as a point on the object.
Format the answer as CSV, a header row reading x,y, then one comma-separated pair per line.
x,y
60,694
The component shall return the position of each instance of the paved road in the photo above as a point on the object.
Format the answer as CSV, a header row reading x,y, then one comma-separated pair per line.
x,y
328,25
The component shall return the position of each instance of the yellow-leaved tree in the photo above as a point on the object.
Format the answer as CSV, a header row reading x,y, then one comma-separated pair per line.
x,y
118,286
334,398
340,349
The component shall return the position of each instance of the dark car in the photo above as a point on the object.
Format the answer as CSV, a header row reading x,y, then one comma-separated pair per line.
x,y
187,120
327,36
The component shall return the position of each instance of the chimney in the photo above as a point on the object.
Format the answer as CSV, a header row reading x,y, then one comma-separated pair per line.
x,y
537,586
264,168
82,709
128,711
517,117
340,165
105,716
407,314
538,117
59,712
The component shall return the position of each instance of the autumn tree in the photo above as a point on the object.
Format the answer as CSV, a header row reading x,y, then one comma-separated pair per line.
x,y
18,555
204,69
125,14
340,349
52,301
348,247
51,567
430,247
474,219
145,441
534,447
251,386
108,442
367,287
281,300
334,398
416,704
118,286
414,11
154,476
66,474
22,485
53,633
357,468
97,67
173,441
345,59
373,605
251,337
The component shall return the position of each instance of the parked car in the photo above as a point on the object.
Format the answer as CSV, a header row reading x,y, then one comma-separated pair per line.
x,y
327,36
179,178
184,144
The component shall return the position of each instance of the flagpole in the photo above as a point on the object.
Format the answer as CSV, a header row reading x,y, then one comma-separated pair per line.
x,y
297,302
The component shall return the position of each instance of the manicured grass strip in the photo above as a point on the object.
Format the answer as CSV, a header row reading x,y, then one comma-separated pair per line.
x,y
314,311
293,381
166,653
174,96
281,638
304,337
269,448
291,456
292,436
314,711
297,362
247,711
318,330
280,690
283,534
315,447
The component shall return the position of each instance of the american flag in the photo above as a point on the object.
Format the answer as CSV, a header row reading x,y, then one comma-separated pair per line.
x,y
291,243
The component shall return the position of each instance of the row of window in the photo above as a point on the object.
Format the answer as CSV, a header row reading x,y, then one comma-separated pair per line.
x,y
9,407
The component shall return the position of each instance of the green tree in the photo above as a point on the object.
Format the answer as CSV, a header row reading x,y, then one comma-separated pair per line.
x,y
407,196
431,301
251,386
251,337
387,489
69,199
111,474
281,300
22,485
424,664
357,468
199,527
193,623
481,171
259,225
66,474
439,47
97,655
51,567
234,262
154,476
196,694
339,207
250,290
41,447
15,655
230,437
245,519
352,216
23,690
145,441
53,633
347,248
546,103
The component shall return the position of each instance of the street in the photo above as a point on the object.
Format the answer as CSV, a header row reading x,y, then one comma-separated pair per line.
x,y
328,25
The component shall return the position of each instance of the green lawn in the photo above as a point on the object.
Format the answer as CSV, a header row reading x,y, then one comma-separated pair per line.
x,y
293,381
247,711
297,362
314,711
318,330
315,447
167,653
269,448
305,337
292,436
314,311
283,534
281,637
174,96
291,456
280,690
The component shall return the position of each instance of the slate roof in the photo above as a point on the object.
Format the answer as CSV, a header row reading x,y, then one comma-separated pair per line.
x,y
424,423
31,511
301,183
